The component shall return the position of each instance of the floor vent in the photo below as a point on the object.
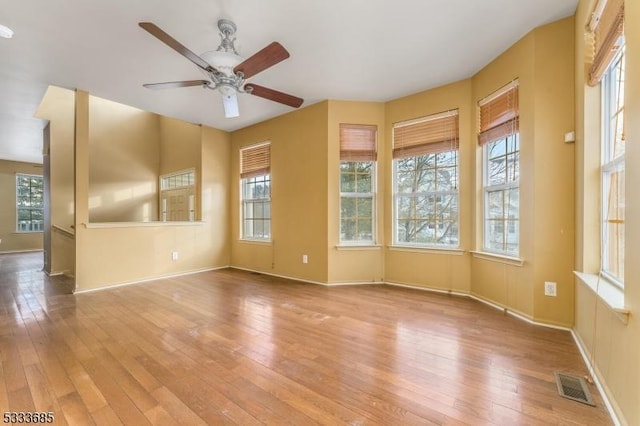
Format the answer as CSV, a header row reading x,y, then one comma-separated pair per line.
x,y
574,387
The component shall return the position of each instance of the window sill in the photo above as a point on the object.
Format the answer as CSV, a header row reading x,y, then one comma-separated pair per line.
x,y
28,232
500,258
255,242
358,247
428,249
609,293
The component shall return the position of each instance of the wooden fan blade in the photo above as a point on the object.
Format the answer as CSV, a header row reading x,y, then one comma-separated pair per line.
x,y
155,31
267,57
174,84
273,95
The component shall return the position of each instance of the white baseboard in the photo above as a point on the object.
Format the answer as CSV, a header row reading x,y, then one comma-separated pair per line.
x,y
609,402
281,276
145,280
21,251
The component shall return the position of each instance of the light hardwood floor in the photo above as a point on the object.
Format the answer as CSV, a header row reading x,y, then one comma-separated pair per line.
x,y
231,347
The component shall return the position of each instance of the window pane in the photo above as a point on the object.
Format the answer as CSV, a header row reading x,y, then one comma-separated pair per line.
x,y
426,199
364,183
496,149
405,207
257,207
348,207
446,179
29,203
347,229
404,182
356,212
365,229
347,182
497,171
502,167
495,205
512,234
364,207
512,202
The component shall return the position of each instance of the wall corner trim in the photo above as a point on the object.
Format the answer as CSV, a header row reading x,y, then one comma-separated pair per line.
x,y
609,402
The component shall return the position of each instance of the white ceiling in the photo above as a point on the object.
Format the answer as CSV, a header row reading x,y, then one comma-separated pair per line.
x,y
373,50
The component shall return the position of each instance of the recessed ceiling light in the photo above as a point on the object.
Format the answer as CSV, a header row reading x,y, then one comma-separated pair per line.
x,y
6,32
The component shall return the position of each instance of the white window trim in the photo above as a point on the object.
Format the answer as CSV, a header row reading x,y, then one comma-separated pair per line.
x,y
425,246
612,164
242,219
18,208
374,188
486,188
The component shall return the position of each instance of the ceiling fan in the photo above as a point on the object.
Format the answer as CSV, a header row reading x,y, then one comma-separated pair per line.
x,y
226,70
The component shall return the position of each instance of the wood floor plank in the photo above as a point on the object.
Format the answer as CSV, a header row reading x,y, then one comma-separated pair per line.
x,y
232,347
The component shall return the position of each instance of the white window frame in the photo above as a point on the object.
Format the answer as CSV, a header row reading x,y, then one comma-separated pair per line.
x,y
397,196
610,164
505,188
360,195
183,179
249,202
40,228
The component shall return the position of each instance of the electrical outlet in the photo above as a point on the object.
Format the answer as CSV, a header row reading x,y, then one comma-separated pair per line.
x,y
305,259
550,289
174,255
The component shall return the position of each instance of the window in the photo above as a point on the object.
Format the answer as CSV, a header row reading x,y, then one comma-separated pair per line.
x,y
357,183
425,153
178,196
608,70
29,203
500,141
255,182
613,165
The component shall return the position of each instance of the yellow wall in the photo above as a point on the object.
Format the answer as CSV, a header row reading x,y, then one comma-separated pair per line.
x,y
353,264
216,195
124,160
298,195
58,106
436,269
180,149
542,62
10,240
559,201
110,254
553,161
614,346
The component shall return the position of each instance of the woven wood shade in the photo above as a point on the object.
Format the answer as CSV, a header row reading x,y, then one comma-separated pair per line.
x,y
606,33
357,142
255,160
428,135
499,116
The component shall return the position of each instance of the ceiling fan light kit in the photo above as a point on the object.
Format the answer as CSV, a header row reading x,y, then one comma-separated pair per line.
x,y
5,32
226,70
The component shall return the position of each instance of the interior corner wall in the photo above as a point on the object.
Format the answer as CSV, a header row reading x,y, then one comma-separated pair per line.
x,y
298,196
181,149
542,61
435,269
10,240
354,264
505,284
215,165
554,172
110,254
613,346
124,161
57,106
